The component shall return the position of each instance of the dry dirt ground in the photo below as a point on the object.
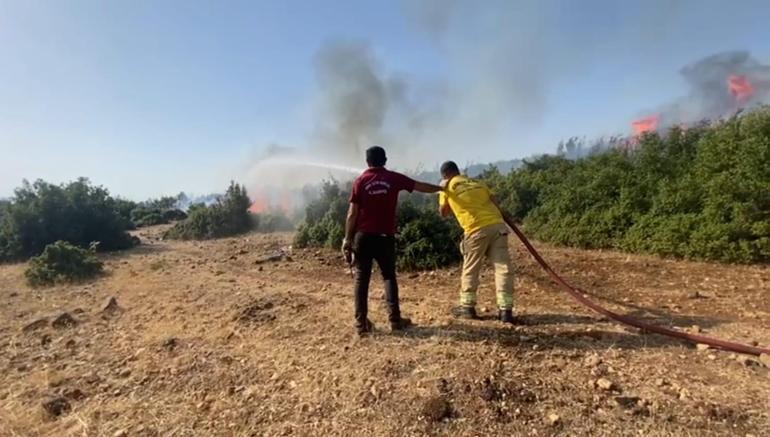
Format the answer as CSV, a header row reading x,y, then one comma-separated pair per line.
x,y
212,338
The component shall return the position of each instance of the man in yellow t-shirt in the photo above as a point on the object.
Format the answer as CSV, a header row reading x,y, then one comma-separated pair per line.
x,y
485,237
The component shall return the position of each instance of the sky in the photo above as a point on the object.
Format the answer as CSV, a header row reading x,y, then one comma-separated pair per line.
x,y
149,98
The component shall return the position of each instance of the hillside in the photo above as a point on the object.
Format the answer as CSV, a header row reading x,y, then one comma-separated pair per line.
x,y
220,338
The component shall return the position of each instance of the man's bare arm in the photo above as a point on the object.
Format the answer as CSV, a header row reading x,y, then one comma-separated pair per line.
x,y
425,187
350,222
445,209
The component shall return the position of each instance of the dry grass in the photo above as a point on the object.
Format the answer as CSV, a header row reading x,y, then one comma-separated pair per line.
x,y
268,349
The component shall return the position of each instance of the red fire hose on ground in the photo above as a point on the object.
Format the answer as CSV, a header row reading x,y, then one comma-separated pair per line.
x,y
579,295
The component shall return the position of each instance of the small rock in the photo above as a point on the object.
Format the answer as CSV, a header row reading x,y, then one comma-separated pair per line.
x,y
592,361
75,394
64,320
660,382
170,343
125,373
92,378
745,360
605,384
111,307
695,329
57,406
121,433
626,401
702,347
436,409
712,357
765,359
554,419
37,324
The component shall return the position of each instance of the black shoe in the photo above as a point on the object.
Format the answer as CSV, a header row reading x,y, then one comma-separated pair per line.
x,y
401,324
365,329
506,316
464,312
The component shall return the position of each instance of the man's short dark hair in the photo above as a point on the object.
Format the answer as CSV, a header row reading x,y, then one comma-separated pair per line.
x,y
375,156
449,167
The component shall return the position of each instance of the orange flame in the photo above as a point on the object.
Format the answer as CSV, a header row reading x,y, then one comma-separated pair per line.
x,y
264,201
740,87
260,203
645,124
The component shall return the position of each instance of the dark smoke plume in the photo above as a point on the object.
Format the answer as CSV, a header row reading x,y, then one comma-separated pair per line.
x,y
719,86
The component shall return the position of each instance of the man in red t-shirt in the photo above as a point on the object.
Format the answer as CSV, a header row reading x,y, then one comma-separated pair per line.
x,y
370,231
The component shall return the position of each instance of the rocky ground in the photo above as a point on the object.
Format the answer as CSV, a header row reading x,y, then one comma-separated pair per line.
x,y
233,337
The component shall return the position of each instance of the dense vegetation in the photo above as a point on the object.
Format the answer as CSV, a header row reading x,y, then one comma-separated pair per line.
x,y
426,240
63,262
700,193
228,216
78,212
156,212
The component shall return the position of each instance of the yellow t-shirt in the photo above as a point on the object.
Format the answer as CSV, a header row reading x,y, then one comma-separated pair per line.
x,y
471,203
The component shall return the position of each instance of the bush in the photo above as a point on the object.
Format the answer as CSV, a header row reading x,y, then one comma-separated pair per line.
x,y
63,262
274,221
78,213
124,208
324,223
149,216
227,217
699,193
426,240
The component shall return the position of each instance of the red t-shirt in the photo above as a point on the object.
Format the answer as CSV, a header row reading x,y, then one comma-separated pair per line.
x,y
376,194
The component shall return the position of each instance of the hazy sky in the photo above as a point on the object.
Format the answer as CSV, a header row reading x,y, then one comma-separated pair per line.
x,y
156,97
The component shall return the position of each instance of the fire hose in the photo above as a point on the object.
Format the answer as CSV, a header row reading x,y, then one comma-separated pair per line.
x,y
579,295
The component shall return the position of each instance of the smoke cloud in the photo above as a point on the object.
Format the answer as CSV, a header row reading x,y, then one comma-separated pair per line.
x,y
497,64
719,85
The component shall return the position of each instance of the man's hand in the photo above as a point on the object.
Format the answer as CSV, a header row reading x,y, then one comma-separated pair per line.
x,y
347,248
443,184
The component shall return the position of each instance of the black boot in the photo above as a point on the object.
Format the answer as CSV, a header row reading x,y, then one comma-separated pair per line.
x,y
365,329
400,324
506,316
465,312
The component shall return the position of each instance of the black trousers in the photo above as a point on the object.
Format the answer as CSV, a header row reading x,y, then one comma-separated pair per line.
x,y
380,248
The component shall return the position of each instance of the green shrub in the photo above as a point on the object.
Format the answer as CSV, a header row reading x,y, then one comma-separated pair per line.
x,y
63,262
227,217
79,213
699,193
274,221
426,240
324,223
124,208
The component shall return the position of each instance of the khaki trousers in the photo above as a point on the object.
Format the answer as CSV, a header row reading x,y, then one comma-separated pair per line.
x,y
488,242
